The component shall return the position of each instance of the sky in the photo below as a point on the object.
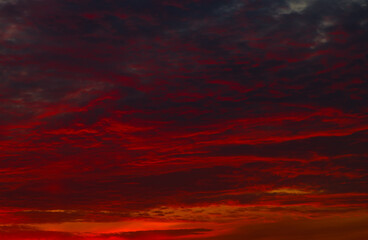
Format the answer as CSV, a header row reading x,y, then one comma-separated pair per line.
x,y
191,119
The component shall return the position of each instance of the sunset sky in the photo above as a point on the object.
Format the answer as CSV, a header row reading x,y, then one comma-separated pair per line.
x,y
183,119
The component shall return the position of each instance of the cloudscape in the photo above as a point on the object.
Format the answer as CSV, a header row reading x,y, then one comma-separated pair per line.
x,y
190,119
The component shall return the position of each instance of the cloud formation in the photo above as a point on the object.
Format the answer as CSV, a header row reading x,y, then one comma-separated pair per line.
x,y
200,116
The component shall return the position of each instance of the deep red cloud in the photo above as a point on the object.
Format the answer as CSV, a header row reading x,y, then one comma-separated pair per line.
x,y
191,120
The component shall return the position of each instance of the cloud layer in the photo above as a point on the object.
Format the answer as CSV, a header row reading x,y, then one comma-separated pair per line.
x,y
187,119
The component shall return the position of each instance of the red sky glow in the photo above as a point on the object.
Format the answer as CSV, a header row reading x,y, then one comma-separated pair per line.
x,y
191,120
